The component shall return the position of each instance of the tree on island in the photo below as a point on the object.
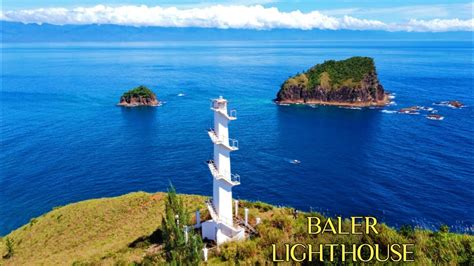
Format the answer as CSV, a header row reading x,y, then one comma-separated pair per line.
x,y
177,249
141,90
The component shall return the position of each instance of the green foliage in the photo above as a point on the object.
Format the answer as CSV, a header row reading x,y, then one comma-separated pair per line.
x,y
121,230
333,74
139,91
445,248
238,251
406,230
9,246
444,229
262,206
33,221
176,250
298,80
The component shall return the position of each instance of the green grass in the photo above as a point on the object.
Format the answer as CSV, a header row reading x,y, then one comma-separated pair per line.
x,y
90,231
333,74
122,231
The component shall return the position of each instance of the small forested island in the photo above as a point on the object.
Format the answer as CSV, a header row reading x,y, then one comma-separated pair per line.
x,y
134,229
350,82
139,96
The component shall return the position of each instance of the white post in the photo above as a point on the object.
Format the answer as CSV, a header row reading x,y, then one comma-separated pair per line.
x,y
186,234
198,219
246,216
204,250
257,220
236,205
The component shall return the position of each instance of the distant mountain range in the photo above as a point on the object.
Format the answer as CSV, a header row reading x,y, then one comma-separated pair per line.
x,y
20,32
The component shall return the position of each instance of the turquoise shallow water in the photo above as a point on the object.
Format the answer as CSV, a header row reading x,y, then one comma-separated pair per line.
x,y
64,140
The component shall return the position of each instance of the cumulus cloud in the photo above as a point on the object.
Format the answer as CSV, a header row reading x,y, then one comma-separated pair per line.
x,y
428,11
223,17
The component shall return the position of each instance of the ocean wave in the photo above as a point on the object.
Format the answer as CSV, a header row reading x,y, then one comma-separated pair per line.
x,y
350,107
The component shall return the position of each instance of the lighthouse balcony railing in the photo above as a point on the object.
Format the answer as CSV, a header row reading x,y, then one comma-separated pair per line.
x,y
233,114
223,111
228,143
234,144
233,180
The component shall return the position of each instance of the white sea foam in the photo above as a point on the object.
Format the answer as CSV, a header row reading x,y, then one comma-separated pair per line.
x,y
435,118
389,111
350,107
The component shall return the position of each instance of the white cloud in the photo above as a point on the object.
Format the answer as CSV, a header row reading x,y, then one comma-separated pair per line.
x,y
432,11
439,25
224,17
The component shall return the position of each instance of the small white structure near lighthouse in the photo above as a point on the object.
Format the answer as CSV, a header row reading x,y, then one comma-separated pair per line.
x,y
222,228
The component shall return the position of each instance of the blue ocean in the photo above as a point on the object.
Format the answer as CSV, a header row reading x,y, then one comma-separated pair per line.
x,y
63,139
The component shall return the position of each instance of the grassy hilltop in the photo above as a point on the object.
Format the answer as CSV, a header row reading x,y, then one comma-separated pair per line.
x,y
125,230
334,74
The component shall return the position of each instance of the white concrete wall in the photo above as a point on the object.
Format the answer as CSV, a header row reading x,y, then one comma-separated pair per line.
x,y
221,237
221,126
209,229
222,160
223,201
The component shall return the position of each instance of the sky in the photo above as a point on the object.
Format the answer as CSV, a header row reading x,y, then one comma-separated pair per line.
x,y
389,15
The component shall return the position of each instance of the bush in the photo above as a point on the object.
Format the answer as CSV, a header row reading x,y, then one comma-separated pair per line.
x,y
444,229
407,230
10,251
262,206
139,91
239,251
177,250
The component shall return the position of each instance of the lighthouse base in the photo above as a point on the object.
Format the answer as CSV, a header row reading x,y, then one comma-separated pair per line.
x,y
221,232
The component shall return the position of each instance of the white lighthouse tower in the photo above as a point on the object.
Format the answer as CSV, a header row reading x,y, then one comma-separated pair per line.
x,y
221,227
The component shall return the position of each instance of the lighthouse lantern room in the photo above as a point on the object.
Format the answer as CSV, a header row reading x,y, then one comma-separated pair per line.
x,y
221,227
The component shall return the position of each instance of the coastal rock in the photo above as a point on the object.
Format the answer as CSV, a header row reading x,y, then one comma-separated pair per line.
x,y
350,82
413,110
139,96
456,104
435,117
452,104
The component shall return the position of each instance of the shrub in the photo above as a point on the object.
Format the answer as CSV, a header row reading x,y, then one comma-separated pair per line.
x,y
407,230
175,246
239,251
139,91
262,206
10,250
444,229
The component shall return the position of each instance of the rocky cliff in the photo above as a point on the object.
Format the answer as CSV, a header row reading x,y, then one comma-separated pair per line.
x,y
351,82
139,96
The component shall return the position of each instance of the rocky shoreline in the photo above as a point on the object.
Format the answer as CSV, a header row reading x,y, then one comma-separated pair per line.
x,y
138,101
380,103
